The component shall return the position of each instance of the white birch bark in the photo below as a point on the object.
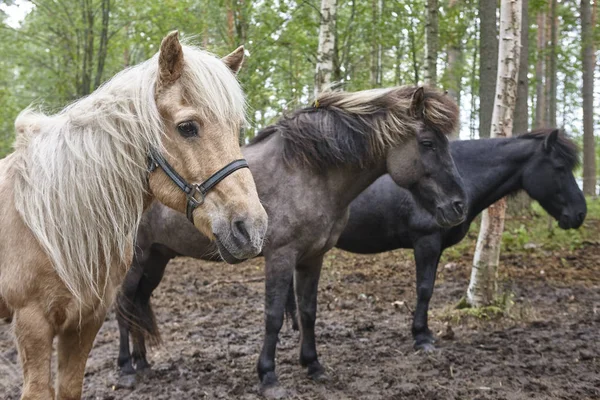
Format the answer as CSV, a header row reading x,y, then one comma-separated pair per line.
x,y
324,69
483,285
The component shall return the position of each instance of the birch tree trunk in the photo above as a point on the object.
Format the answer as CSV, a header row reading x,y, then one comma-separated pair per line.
x,y
521,201
483,285
589,62
431,49
325,52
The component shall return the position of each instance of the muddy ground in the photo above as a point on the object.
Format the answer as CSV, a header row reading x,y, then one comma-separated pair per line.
x,y
211,319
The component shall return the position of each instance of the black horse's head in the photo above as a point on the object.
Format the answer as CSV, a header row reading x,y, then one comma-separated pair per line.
x,y
548,178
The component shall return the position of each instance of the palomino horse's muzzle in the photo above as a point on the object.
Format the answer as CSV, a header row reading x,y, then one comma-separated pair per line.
x,y
195,193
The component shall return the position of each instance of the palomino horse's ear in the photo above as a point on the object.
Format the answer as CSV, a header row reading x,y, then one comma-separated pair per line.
x,y
234,60
551,140
170,59
417,105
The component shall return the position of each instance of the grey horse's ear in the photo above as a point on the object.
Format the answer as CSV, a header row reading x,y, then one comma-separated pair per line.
x,y
417,106
551,140
235,60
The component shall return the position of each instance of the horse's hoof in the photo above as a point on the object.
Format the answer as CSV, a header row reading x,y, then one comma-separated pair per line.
x,y
126,382
270,388
274,392
142,368
316,372
425,347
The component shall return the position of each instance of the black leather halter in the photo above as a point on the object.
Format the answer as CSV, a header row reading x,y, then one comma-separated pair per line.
x,y
194,193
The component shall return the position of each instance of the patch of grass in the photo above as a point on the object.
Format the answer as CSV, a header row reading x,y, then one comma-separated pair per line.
x,y
503,308
533,230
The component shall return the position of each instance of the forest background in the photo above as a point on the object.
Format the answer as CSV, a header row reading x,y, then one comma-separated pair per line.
x,y
55,51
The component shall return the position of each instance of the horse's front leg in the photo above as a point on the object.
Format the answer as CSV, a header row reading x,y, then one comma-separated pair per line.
x,y
427,256
279,271
306,280
34,335
74,345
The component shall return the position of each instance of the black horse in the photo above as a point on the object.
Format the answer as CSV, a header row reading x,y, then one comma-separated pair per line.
x,y
385,217
308,167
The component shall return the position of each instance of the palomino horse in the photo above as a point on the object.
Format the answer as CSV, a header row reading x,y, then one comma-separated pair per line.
x,y
308,167
74,190
385,217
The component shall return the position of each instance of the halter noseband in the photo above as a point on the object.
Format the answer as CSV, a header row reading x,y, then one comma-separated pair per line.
x,y
194,193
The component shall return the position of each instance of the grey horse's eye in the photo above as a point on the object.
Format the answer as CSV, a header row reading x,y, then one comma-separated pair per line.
x,y
187,129
427,143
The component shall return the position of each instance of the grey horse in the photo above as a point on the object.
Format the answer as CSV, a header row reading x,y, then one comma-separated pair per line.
x,y
308,168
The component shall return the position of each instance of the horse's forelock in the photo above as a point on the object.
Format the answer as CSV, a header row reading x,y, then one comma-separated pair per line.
x,y
441,111
211,86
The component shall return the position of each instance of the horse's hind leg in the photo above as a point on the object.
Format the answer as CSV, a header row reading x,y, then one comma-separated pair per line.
x,y
34,337
291,309
139,352
74,346
125,316
306,281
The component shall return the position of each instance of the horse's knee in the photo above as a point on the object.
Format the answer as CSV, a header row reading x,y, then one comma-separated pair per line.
x,y
424,292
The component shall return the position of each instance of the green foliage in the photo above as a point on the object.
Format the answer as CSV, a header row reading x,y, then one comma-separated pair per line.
x,y
53,57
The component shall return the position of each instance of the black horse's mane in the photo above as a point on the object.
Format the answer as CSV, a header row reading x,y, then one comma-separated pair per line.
x,y
564,146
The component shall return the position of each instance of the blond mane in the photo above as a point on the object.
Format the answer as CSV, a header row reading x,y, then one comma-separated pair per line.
x,y
81,174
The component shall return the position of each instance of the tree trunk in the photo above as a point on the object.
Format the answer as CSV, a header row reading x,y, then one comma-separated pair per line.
x,y
454,65
589,62
103,48
522,201
454,77
540,103
483,285
376,45
324,69
488,64
413,50
552,72
473,121
431,49
521,120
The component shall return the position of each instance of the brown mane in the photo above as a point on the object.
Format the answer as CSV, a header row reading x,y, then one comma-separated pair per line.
x,y
356,128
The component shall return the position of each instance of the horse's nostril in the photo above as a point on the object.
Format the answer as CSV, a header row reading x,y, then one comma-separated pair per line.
x,y
459,207
239,230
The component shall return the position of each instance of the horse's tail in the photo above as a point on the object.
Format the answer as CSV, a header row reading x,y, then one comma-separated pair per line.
x,y
291,310
137,315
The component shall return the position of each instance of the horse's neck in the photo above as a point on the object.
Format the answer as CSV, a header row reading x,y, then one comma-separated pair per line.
x,y
340,185
345,184
492,170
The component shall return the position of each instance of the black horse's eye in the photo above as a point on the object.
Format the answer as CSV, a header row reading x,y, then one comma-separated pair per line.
x,y
427,143
187,129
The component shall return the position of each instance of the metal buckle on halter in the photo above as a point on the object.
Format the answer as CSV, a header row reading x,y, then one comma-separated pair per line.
x,y
192,196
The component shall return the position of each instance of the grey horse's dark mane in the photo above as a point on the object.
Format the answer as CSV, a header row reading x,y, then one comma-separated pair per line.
x,y
564,146
356,128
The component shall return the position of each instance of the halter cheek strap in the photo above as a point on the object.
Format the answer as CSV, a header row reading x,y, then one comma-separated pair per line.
x,y
194,193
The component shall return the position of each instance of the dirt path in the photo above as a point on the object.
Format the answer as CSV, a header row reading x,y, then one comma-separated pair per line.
x,y
547,348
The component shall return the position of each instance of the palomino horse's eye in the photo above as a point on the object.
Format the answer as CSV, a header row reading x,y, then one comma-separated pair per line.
x,y
187,129
427,143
